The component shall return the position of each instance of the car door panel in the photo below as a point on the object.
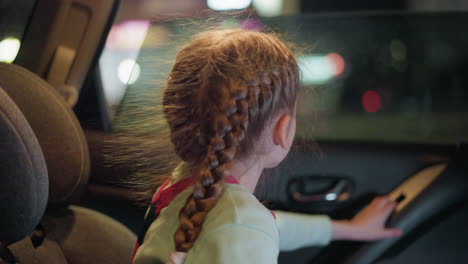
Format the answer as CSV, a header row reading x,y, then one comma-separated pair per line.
x,y
372,168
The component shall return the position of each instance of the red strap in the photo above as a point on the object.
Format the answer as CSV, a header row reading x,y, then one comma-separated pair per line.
x,y
158,193
137,245
230,179
164,196
273,214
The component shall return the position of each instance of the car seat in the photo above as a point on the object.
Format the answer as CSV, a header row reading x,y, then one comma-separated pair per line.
x,y
23,174
66,233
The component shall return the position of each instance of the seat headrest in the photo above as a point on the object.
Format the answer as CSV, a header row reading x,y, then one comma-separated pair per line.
x,y
24,184
57,130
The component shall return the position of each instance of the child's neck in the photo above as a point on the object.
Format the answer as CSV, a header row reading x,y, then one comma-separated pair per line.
x,y
247,173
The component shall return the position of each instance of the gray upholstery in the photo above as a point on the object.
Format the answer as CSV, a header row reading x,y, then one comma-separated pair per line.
x,y
57,129
87,236
72,234
23,175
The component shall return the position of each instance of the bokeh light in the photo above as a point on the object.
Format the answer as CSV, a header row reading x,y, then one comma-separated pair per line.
x,y
371,101
268,8
398,54
398,50
337,62
9,48
319,68
128,71
221,5
330,196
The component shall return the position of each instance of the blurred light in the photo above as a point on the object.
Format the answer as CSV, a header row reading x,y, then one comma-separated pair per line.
x,y
128,71
315,69
268,8
338,63
319,69
9,48
127,35
371,101
398,50
228,4
330,197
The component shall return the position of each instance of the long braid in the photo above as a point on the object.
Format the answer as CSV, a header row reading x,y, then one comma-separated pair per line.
x,y
215,107
227,129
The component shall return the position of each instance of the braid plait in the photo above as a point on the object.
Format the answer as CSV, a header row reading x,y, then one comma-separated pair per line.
x,y
226,129
224,89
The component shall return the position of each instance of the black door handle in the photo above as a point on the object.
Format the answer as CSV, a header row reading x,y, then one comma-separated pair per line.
x,y
339,191
336,189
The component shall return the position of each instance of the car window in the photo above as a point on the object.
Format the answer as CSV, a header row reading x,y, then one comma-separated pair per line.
x,y
117,64
392,77
14,16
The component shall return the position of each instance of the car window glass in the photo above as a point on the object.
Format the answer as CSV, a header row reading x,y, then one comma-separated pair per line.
x,y
394,77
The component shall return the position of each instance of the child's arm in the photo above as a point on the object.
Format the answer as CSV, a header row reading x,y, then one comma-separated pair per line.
x,y
302,230
368,224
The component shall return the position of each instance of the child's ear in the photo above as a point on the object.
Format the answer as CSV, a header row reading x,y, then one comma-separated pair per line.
x,y
280,133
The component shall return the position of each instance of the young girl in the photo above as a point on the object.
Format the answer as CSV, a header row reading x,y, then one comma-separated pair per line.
x,y
230,104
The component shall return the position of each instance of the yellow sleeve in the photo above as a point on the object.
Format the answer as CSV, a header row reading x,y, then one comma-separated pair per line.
x,y
235,243
302,230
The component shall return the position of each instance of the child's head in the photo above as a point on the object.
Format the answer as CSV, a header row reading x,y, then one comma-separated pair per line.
x,y
225,88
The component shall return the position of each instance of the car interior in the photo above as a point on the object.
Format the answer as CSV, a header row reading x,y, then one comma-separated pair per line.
x,y
383,110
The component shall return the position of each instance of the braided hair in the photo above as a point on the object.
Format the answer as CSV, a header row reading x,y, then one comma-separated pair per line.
x,y
224,87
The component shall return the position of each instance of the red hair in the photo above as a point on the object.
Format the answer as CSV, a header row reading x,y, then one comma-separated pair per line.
x,y
224,87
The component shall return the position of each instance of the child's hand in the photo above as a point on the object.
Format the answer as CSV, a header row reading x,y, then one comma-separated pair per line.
x,y
369,223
